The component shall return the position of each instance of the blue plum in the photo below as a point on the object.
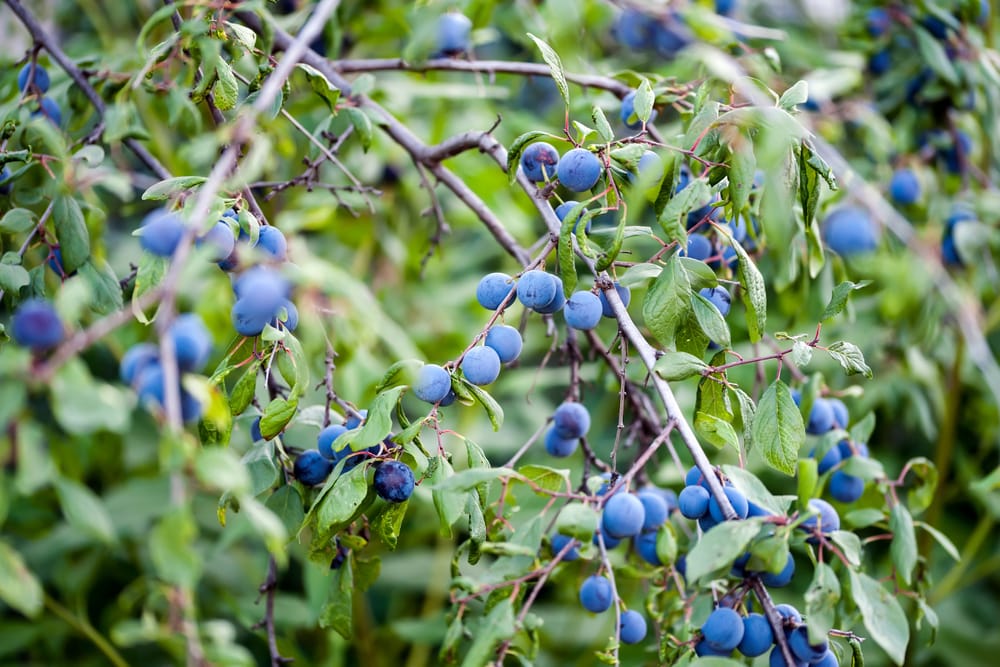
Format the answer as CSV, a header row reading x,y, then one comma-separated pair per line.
x,y
693,501
538,161
312,468
623,516
481,365
720,298
137,358
579,170
38,74
558,446
723,629
757,636
536,289
48,108
36,325
559,542
393,481
846,488
736,499
506,341
272,243
624,293
583,310
798,642
161,232
628,116
849,230
655,508
632,627
904,188
596,594
571,420
781,579
432,384
453,33
192,342
821,417
325,440
493,289
221,240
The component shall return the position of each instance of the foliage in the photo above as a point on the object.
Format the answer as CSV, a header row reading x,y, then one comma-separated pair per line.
x,y
180,512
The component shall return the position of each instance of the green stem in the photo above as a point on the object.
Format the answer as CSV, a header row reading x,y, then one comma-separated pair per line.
x,y
84,627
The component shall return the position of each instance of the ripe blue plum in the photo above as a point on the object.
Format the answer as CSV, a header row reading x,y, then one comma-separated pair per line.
x,y
757,636
720,298
583,310
624,293
161,232
623,516
558,300
571,420
566,208
723,629
880,62
596,594
290,320
493,289
312,468
829,659
393,481
798,642
776,659
221,241
192,342
38,74
693,501
645,546
272,243
481,365
137,358
789,613
433,383
536,289
829,460
506,342
736,499
695,478
579,170
559,542
266,288
655,508
538,161
821,417
355,420
632,627
255,434
827,521
558,446
5,186
151,388
846,488
453,33
878,21
36,325
326,438
904,188
248,318
841,417
670,36
634,29
698,247
849,230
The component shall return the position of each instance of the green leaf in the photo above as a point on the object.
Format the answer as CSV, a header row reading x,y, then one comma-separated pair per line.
x,y
666,544
71,231
679,365
941,539
286,503
920,492
151,271
578,520
667,302
884,618
551,58
715,661
711,320
795,95
104,286
719,547
821,602
777,428
643,102
321,86
850,546
225,91
601,121
338,612
673,219
260,464
83,405
276,416
838,301
755,491
19,588
219,468
244,389
469,479
903,547
494,628
338,506
13,276
172,550
742,169
548,479
171,186
378,423
493,409
807,477
933,53
850,358
747,411
387,524
17,221
450,505
754,292
716,430
610,252
362,125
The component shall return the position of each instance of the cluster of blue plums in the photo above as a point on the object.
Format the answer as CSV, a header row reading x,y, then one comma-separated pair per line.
x,y
393,480
33,79
661,34
142,369
725,631
578,169
826,415
37,326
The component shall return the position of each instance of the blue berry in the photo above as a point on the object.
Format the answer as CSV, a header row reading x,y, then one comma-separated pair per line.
x,y
736,499
536,289
393,481
632,627
558,300
326,438
571,420
849,230
596,594
39,79
720,298
161,232
453,33
782,578
655,508
827,522
579,170
353,421
841,417
693,501
506,342
272,243
538,162
481,365
623,516
556,445
255,434
645,546
433,383
829,460
493,289
311,468
798,642
757,636
820,417
698,247
624,293
723,630
137,358
559,542
846,488
221,241
192,342
583,310
36,325
904,188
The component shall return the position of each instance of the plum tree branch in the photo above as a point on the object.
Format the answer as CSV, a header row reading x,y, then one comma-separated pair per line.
x,y
40,36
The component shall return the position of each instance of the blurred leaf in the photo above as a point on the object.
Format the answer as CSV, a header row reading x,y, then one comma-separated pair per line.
x,y
226,91
83,405
171,186
344,498
321,86
884,618
338,612
839,298
795,95
903,547
467,480
286,503
494,628
19,588
71,231
387,524
643,102
548,479
276,416
821,602
578,520
17,221
920,494
171,547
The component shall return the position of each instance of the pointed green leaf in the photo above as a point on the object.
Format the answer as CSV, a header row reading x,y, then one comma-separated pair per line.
x,y
777,428
551,58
